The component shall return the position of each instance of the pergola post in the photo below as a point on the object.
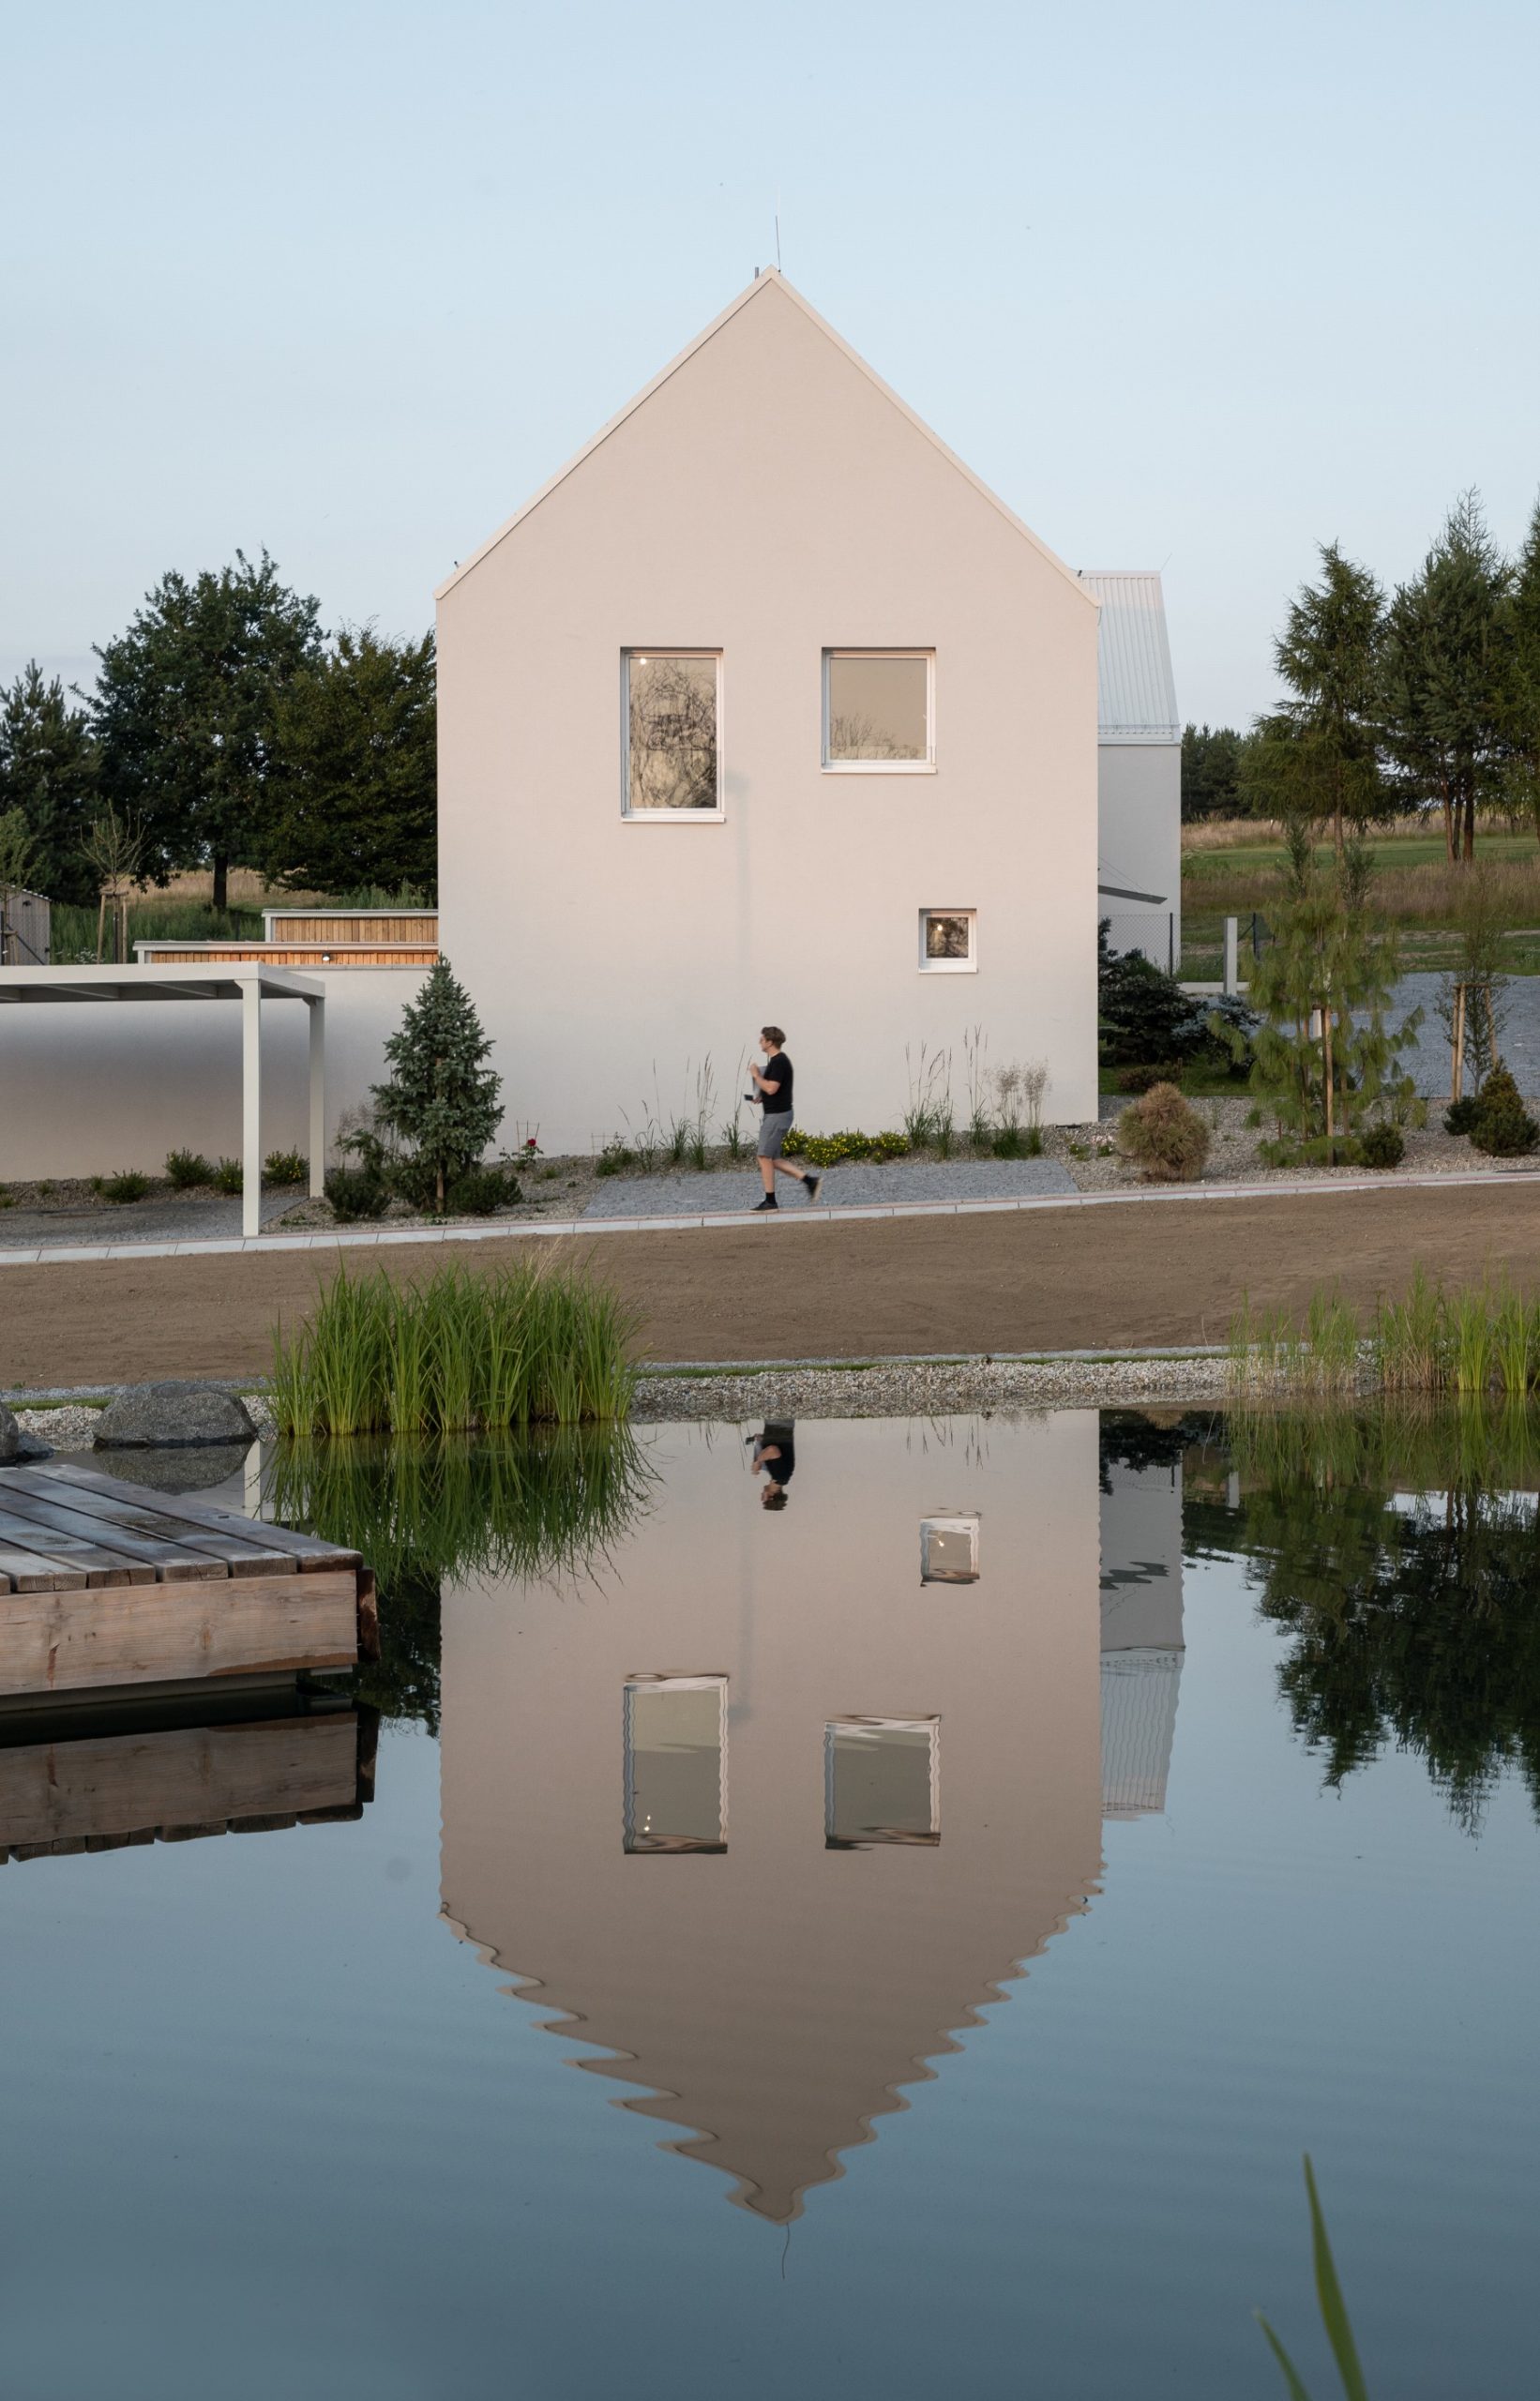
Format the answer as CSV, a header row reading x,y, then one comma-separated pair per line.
x,y
251,1106
316,1013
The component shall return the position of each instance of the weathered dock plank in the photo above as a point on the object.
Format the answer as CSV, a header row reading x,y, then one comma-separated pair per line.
x,y
310,1549
76,1639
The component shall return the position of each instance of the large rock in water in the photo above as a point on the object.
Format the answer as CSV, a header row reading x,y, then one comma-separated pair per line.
x,y
15,1446
172,1416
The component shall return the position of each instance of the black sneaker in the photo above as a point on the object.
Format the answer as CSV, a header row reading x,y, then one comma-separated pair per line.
x,y
768,1203
812,1183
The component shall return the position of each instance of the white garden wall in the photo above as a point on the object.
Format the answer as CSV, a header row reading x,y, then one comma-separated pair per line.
x,y
89,1087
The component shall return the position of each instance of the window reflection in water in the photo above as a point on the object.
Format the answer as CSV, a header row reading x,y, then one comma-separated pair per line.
x,y
880,1782
675,1781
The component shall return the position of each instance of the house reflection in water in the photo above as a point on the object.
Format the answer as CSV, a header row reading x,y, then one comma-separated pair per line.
x,y
777,1807
1141,1633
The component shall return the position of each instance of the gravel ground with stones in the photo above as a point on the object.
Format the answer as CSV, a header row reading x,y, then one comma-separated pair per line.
x,y
898,1388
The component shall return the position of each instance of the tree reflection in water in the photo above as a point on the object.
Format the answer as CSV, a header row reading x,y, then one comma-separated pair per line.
x,y
1401,1548
546,1506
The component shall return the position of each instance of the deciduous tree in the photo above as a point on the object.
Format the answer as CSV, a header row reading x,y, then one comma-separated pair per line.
x,y
355,796
47,772
186,711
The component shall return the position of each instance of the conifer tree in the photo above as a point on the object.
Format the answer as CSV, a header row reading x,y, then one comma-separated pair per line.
x,y
1447,675
1319,752
1323,1058
441,1096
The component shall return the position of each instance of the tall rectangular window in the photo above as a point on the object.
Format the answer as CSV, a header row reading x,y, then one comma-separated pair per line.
x,y
676,1763
878,711
671,719
881,1781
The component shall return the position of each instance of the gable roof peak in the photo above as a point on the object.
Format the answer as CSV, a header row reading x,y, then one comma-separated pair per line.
x,y
765,279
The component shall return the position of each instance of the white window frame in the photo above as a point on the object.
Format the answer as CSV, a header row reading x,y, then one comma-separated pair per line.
x,y
968,1526
666,816
926,766
967,966
635,1848
931,1726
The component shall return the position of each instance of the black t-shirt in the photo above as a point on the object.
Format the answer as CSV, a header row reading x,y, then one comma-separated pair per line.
x,y
783,1439
778,1067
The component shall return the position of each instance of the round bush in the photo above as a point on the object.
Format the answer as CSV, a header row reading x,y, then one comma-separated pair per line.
x,y
1502,1126
1164,1136
1383,1145
1461,1115
481,1190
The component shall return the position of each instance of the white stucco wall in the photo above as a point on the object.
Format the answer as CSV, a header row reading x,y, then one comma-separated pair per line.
x,y
1139,800
767,500
87,1087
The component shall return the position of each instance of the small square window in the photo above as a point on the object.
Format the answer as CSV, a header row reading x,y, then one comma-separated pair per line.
x,y
879,715
948,941
675,1764
880,1782
670,712
949,1551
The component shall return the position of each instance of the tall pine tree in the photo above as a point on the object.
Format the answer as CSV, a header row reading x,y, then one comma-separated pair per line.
x,y
1447,675
441,1097
1318,753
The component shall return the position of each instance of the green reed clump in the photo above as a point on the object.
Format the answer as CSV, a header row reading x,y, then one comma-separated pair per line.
x,y
1479,1340
523,1345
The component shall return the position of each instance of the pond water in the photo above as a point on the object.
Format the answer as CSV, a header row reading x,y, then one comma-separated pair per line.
x,y
894,1937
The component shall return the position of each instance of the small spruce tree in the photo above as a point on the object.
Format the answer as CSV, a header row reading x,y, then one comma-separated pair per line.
x,y
441,1097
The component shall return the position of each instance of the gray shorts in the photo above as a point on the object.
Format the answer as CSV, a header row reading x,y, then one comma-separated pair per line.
x,y
774,1128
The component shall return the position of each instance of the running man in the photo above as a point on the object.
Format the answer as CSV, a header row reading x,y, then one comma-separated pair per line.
x,y
773,1090
775,1459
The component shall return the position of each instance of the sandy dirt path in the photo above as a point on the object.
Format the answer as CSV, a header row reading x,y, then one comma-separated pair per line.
x,y
1128,1274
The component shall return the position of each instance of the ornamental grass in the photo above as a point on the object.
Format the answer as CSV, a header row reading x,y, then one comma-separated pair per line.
x,y
1478,1340
523,1346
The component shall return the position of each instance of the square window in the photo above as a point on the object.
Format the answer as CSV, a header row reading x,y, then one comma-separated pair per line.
x,y
878,711
671,712
949,1551
675,1764
880,1782
948,941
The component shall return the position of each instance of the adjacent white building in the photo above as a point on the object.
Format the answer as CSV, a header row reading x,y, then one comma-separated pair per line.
x,y
1138,768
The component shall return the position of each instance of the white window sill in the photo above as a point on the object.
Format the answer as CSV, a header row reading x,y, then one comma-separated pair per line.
x,y
879,766
949,967
673,816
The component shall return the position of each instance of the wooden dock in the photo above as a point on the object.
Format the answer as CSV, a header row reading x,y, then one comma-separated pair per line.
x,y
107,1585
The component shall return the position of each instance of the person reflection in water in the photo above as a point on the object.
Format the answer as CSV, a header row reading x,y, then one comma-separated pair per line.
x,y
776,1458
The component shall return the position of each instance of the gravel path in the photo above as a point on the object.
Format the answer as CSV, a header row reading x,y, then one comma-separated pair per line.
x,y
1519,1034
206,1216
851,1186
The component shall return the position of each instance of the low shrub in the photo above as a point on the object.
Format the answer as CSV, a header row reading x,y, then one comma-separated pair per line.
x,y
1383,1145
483,1190
8,1198
828,1150
227,1176
616,1157
128,1185
1018,1142
1136,1079
1461,1115
187,1170
1502,1126
356,1193
1164,1136
286,1167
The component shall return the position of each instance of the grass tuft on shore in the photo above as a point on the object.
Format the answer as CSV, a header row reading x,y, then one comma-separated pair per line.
x,y
1479,1340
525,1345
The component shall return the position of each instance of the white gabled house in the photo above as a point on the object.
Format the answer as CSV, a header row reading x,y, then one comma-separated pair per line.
x,y
766,709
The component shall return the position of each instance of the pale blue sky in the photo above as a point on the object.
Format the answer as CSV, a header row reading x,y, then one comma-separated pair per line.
x,y
1192,287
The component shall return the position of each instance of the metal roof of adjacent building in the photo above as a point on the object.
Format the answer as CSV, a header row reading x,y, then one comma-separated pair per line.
x,y
1136,693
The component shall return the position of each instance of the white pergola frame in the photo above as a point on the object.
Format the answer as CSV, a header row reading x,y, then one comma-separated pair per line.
x,y
251,986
